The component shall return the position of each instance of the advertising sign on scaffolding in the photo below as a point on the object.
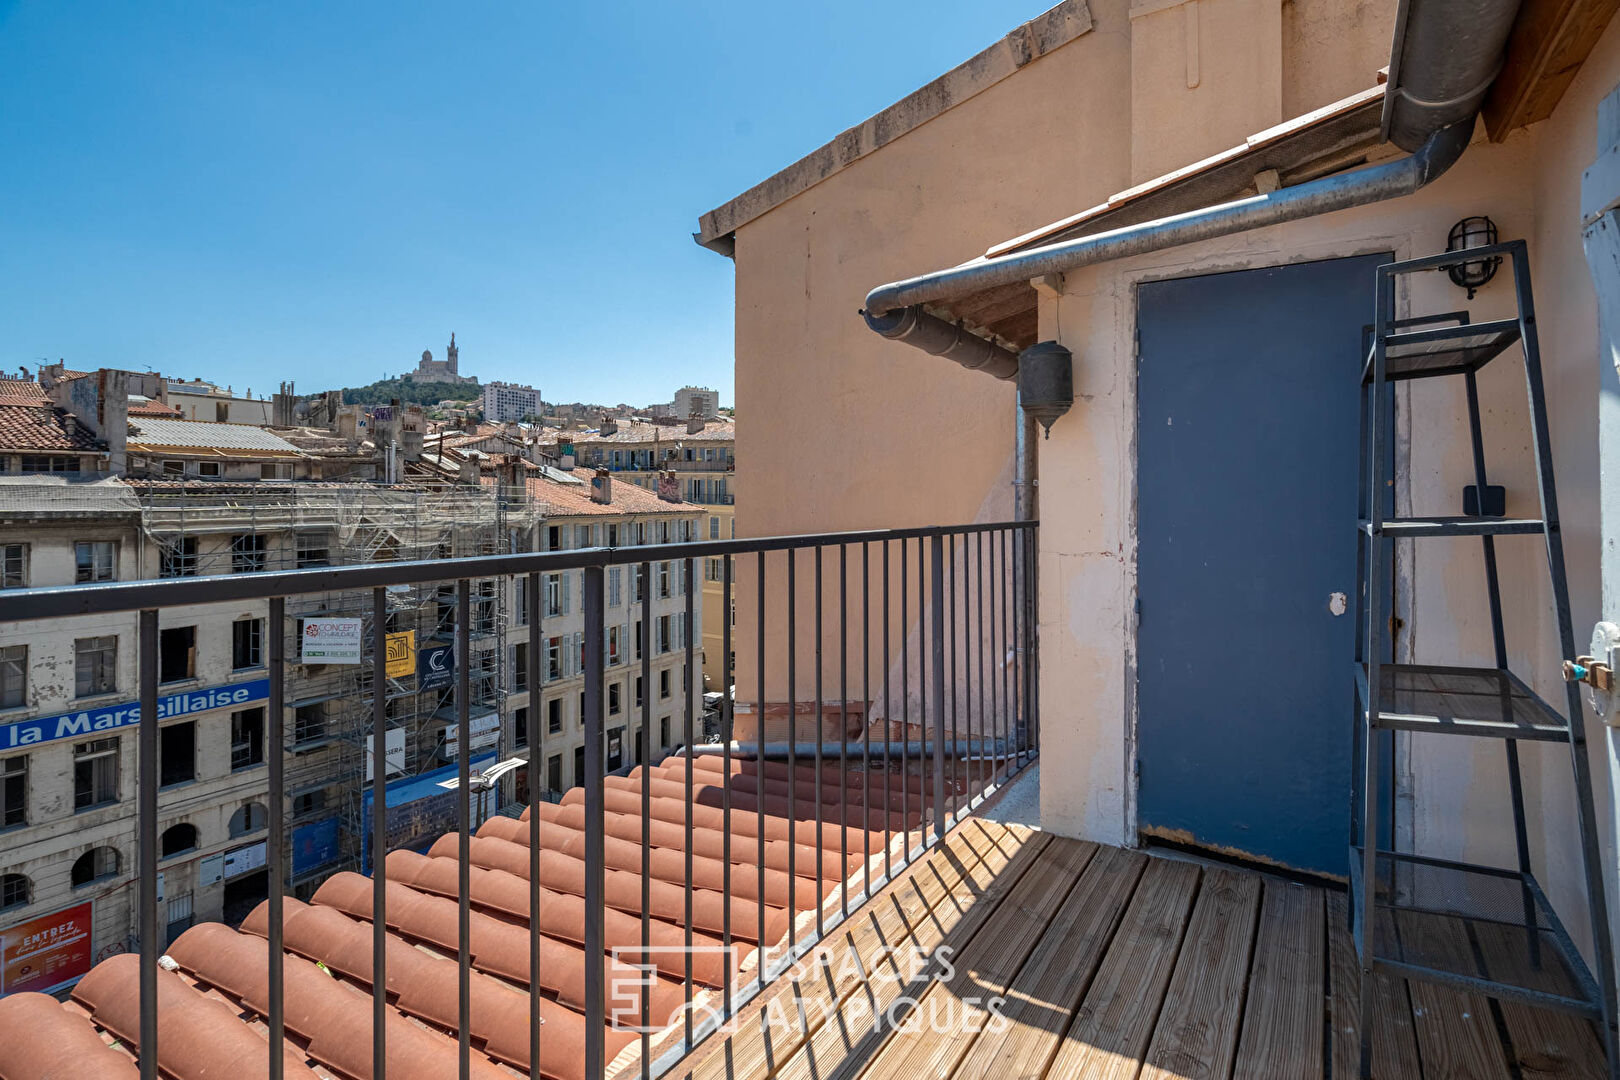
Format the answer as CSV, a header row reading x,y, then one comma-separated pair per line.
x,y
330,641
401,654
46,952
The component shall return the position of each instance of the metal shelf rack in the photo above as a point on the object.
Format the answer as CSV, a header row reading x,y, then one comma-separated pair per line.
x,y
1481,929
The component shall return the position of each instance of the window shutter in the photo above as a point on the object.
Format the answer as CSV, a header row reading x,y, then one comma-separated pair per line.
x,y
566,580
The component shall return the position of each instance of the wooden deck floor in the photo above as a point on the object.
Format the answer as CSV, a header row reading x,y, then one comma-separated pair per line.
x,y
1068,959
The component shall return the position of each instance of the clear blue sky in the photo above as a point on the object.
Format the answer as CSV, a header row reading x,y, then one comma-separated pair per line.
x,y
320,191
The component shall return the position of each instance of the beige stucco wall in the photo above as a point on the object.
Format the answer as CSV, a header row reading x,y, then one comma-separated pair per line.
x,y
848,431
1453,798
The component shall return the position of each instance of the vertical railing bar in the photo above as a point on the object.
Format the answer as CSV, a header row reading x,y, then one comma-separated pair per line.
x,y
1021,636
843,729
956,726
866,717
464,818
537,762
979,778
595,1011
464,828
146,751
689,688
923,696
759,771
905,700
726,734
937,580
276,855
997,659
646,806
888,723
1009,658
793,740
1034,642
379,832
820,711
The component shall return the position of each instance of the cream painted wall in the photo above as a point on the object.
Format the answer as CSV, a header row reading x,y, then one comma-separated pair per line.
x,y
1453,797
848,431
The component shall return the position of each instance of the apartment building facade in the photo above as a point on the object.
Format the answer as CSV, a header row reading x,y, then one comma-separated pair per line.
x,y
702,456
508,402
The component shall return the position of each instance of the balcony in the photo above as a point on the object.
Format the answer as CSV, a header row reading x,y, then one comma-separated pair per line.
x,y
849,887
610,931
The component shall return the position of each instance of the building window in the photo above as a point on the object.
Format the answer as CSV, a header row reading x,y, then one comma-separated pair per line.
x,y
313,550
247,739
178,557
663,733
208,469
13,566
49,463
554,772
247,643
612,535
520,667
714,528
663,686
14,791
554,658
663,635
556,594
249,819
615,653
15,891
93,560
95,773
309,723
554,716
174,469
275,471
177,653
554,537
308,803
714,569
177,840
177,754
94,865
615,586
95,665
663,581
615,698
520,726
636,642
13,676
248,553
641,691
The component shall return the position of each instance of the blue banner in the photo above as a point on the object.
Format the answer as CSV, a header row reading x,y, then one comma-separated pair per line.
x,y
435,667
314,845
72,725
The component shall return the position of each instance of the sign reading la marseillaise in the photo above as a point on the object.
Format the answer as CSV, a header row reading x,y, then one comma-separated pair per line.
x,y
70,725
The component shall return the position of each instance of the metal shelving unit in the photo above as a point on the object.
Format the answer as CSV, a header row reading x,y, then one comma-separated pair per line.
x,y
1480,929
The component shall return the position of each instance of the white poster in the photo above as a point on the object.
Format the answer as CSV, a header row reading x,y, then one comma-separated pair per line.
x,y
393,748
244,860
485,730
330,641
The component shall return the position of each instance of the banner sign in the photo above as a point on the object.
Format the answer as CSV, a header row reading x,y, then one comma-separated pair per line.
x,y
485,732
330,641
46,729
45,952
315,845
435,667
401,654
245,860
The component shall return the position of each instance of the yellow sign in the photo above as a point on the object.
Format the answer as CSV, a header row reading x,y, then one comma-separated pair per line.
x,y
401,654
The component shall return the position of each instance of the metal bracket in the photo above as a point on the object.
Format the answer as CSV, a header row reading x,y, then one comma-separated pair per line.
x,y
1597,671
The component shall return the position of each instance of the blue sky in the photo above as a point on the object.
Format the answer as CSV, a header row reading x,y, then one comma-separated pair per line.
x,y
320,191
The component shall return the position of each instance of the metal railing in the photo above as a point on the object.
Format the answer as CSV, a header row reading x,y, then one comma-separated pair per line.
x,y
938,643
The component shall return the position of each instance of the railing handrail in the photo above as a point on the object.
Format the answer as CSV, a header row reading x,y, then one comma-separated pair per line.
x,y
54,601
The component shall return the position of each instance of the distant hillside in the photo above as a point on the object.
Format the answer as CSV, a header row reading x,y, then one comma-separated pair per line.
x,y
410,392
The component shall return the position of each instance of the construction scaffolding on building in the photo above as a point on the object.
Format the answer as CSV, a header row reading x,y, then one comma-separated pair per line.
x,y
203,528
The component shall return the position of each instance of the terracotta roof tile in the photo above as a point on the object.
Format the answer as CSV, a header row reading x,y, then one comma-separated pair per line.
x,y
569,500
21,392
211,1005
637,432
40,427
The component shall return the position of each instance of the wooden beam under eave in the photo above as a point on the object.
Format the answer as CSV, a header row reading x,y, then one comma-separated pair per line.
x,y
1549,42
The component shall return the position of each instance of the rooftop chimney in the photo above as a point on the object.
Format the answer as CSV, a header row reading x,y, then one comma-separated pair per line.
x,y
566,451
669,486
694,425
602,488
609,426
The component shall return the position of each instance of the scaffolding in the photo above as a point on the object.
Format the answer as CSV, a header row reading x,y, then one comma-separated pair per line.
x,y
223,528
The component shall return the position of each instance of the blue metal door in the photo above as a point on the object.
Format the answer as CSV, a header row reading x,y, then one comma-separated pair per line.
x,y
1248,391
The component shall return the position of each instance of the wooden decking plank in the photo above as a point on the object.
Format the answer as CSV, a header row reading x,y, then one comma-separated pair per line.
x,y
1546,1043
1198,1025
1110,1031
1282,1022
1043,997
953,1010
857,1027
1394,1041
932,896
1456,1032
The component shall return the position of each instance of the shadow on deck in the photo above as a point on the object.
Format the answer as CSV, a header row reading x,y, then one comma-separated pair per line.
x,y
1070,959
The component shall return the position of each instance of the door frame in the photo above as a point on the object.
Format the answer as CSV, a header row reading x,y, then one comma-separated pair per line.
x,y
1200,265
